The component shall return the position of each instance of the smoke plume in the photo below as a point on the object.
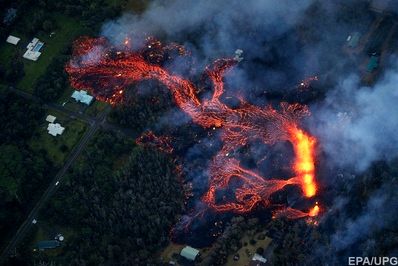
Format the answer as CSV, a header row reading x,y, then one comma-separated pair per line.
x,y
358,125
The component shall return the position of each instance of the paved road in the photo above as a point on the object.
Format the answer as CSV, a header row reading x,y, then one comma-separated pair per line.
x,y
73,114
95,123
54,106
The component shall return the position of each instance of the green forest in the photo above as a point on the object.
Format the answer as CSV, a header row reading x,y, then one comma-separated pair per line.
x,y
118,201
24,172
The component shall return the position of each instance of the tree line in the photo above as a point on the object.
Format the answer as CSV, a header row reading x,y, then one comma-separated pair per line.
x,y
120,200
23,171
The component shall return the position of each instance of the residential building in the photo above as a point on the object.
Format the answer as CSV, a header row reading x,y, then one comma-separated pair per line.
x,y
55,129
13,40
82,96
47,244
50,118
189,253
33,49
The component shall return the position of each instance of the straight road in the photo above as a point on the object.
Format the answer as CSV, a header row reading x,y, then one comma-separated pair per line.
x,y
73,114
26,225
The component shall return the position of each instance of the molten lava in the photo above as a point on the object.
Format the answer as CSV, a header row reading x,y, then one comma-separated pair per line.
x,y
161,143
304,165
106,74
314,211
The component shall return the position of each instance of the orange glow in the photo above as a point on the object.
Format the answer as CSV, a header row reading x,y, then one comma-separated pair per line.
x,y
237,127
314,211
304,165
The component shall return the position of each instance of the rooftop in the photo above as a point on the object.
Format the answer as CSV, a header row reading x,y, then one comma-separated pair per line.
x,y
33,49
47,244
13,40
373,63
353,39
189,253
50,118
55,129
82,96
259,258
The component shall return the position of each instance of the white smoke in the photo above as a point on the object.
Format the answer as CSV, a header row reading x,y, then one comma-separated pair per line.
x,y
380,212
358,125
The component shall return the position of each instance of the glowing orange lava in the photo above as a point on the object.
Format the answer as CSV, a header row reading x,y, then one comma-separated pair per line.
x,y
304,166
162,143
314,211
109,74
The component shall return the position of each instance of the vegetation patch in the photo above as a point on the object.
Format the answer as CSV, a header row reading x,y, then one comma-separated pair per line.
x,y
58,147
66,30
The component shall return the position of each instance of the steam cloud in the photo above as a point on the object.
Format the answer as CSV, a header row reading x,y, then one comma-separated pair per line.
x,y
214,29
380,212
356,125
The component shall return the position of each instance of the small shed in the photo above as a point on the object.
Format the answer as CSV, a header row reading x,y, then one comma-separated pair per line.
x,y
353,39
258,260
82,96
189,253
55,129
373,63
47,244
13,40
50,118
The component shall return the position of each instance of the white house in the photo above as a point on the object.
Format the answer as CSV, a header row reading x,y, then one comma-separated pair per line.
x,y
13,40
82,96
33,49
50,118
55,129
189,253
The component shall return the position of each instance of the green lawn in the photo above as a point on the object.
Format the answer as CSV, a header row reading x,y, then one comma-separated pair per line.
x,y
246,252
7,51
67,30
95,108
68,102
58,147
45,231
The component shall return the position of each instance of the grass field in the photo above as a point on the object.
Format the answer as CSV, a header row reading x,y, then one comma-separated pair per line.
x,y
67,30
58,147
45,231
95,108
69,103
6,53
168,253
46,228
247,251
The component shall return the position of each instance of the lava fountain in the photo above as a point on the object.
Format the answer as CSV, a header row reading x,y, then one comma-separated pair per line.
x,y
106,72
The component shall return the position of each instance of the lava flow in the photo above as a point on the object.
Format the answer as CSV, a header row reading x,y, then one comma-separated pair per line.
x,y
97,66
150,139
